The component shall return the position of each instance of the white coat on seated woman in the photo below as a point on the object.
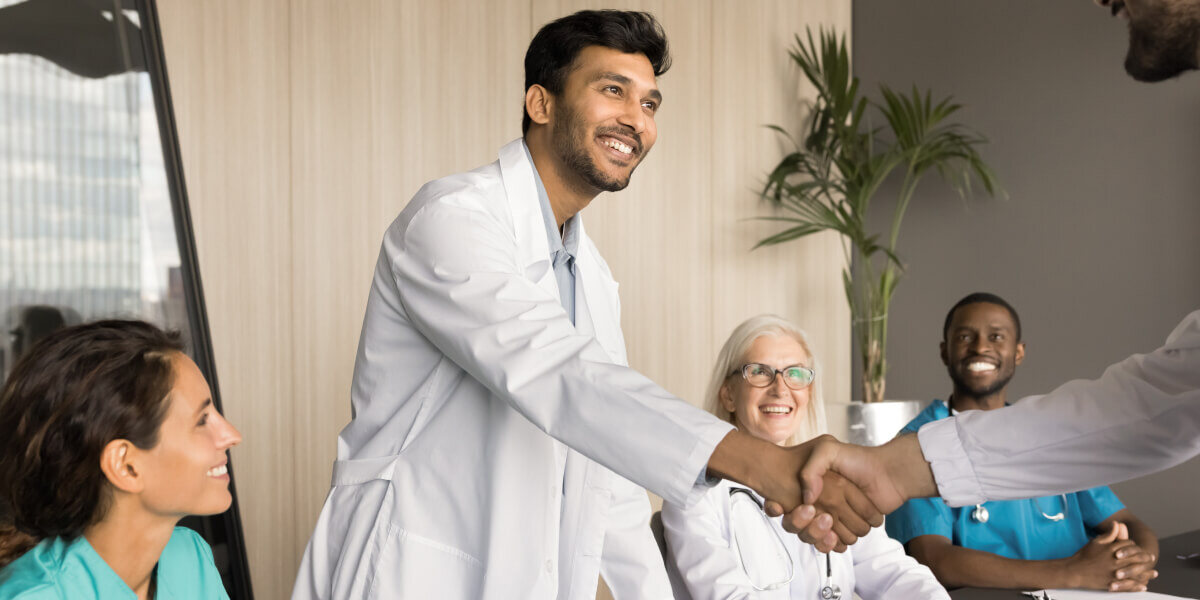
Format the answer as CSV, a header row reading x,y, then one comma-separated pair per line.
x,y
765,383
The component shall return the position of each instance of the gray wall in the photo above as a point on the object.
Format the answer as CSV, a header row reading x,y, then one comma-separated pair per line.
x,y
1097,244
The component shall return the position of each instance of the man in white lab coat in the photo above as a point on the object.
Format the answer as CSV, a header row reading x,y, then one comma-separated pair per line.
x,y
498,434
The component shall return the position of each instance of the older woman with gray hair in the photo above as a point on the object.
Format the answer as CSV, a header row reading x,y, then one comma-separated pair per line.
x,y
766,383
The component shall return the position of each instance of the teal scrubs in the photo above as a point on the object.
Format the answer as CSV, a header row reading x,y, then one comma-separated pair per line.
x,y
1015,528
57,569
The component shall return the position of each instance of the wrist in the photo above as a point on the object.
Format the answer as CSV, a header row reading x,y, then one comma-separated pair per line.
x,y
1068,570
759,465
904,458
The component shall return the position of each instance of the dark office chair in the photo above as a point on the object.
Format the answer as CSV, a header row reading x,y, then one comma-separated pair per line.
x,y
26,324
678,589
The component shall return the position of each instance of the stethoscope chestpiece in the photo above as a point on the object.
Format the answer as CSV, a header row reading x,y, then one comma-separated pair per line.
x,y
980,514
829,591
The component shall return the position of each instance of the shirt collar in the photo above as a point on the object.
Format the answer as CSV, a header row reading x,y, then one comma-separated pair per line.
x,y
569,241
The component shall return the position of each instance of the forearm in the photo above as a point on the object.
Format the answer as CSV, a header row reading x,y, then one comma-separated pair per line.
x,y
956,566
758,465
905,462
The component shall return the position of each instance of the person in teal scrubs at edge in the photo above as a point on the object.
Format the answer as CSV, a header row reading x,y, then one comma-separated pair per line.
x,y
108,437
1087,539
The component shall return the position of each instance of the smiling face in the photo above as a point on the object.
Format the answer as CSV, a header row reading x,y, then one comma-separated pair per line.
x,y
185,473
603,123
1164,36
776,412
981,350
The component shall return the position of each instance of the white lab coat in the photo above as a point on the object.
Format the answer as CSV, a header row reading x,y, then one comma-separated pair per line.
x,y
700,549
468,371
1142,415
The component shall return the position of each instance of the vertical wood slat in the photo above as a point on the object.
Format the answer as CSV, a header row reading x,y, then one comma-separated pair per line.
x,y
227,63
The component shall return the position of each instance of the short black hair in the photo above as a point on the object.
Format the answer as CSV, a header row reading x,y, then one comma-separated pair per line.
x,y
558,43
977,298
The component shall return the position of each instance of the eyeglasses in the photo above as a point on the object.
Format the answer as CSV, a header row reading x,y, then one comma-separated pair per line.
x,y
759,375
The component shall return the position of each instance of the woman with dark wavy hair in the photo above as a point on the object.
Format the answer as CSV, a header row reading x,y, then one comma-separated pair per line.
x,y
108,437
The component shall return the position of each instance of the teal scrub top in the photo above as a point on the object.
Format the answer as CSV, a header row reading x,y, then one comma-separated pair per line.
x,y
1015,528
58,569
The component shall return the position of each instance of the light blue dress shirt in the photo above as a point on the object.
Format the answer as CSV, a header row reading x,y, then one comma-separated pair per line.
x,y
1014,528
58,569
562,249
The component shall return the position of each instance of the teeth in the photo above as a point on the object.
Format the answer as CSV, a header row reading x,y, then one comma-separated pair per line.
x,y
618,146
978,367
780,410
218,471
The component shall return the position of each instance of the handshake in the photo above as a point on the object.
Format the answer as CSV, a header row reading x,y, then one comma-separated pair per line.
x,y
832,493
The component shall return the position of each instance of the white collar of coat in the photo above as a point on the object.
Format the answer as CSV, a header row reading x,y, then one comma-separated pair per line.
x,y
518,175
596,291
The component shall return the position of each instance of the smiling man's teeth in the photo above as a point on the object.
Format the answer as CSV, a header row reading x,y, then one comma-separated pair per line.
x,y
618,146
779,410
978,367
218,471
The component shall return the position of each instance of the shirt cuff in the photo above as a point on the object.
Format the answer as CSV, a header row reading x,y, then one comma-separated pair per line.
x,y
956,480
703,452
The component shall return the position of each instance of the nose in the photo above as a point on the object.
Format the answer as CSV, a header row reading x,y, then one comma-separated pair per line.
x,y
633,116
227,435
779,385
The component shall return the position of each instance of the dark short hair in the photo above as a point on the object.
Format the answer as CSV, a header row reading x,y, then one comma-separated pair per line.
x,y
557,44
72,393
977,298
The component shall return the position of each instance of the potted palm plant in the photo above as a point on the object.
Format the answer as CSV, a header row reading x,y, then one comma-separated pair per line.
x,y
828,182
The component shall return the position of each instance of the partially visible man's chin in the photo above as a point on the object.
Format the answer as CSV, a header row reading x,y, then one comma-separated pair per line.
x,y
605,183
1162,52
1150,72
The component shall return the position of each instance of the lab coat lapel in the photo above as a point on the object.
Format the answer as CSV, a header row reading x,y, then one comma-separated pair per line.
x,y
520,190
596,309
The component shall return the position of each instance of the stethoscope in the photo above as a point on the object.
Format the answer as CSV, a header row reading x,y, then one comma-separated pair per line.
x,y
828,591
980,513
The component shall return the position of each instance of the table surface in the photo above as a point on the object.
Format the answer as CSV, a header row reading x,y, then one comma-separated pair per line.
x,y
1176,577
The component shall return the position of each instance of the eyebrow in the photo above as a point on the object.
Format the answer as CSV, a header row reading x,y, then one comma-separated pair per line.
x,y
207,403
654,94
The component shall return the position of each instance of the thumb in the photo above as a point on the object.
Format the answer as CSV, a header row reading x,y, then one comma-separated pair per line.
x,y
812,474
1123,533
1111,536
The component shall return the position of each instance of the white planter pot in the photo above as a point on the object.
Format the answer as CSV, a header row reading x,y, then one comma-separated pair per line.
x,y
878,422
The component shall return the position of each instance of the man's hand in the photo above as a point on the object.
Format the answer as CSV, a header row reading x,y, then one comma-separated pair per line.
x,y
1137,575
887,475
1112,562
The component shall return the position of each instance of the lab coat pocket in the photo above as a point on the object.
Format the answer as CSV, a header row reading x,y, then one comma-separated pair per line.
x,y
418,567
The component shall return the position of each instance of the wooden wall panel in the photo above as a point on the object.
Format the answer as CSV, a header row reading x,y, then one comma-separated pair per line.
x,y
384,99
755,84
228,68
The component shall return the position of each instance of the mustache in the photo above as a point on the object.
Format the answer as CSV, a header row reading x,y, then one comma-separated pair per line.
x,y
623,131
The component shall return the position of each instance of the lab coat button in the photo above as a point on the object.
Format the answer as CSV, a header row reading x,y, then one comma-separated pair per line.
x,y
549,566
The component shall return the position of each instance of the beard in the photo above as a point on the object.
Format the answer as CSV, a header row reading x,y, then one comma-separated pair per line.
x,y
962,387
1162,44
569,143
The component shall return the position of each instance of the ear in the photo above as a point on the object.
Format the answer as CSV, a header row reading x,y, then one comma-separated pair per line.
x,y
726,398
117,461
942,353
539,103
1020,356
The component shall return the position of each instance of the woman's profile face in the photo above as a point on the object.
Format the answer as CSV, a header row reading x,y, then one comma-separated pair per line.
x,y
773,413
185,474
